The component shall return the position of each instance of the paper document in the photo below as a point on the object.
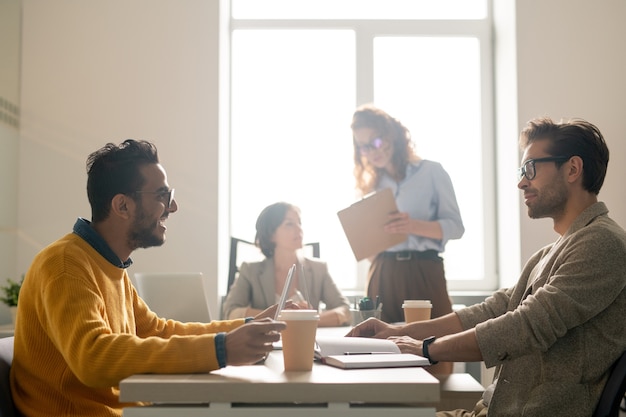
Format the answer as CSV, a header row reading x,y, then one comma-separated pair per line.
x,y
364,221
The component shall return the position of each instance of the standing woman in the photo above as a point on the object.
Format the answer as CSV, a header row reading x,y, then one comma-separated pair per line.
x,y
259,284
427,212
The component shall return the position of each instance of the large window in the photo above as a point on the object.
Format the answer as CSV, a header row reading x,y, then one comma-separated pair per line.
x,y
297,75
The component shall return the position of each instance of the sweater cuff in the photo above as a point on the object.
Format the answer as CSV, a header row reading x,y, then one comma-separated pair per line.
x,y
220,349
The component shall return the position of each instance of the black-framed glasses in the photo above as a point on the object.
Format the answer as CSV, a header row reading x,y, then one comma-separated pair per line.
x,y
372,146
528,169
166,196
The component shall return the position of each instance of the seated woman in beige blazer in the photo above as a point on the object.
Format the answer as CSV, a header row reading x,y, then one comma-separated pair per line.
x,y
259,284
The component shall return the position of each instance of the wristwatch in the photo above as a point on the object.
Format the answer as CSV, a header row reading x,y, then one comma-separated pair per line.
x,y
425,353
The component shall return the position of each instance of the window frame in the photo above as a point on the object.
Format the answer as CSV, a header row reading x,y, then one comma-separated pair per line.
x,y
366,31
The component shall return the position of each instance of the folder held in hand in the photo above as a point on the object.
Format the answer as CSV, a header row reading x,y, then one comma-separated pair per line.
x,y
364,221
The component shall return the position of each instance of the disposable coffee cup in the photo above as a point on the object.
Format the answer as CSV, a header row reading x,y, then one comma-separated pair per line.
x,y
298,339
416,310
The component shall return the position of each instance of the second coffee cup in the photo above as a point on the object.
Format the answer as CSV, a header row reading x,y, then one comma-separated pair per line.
x,y
416,310
298,339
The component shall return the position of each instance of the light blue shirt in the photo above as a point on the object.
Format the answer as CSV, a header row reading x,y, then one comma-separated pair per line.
x,y
426,193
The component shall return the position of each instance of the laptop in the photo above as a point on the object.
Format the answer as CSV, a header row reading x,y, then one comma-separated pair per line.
x,y
180,296
283,300
283,296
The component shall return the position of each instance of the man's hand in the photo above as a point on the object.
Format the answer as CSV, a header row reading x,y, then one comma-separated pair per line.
x,y
373,327
270,312
408,344
251,342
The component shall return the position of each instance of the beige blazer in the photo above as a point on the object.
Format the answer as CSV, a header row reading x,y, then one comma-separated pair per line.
x,y
254,286
555,335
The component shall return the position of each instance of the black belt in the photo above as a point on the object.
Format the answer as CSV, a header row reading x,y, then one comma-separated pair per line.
x,y
406,255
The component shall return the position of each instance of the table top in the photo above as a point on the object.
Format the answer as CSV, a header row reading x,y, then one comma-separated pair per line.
x,y
269,383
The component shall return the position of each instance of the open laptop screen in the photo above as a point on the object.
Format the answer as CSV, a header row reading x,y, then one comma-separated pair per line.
x,y
283,295
179,295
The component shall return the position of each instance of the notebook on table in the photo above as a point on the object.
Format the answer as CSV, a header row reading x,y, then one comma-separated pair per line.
x,y
379,360
364,352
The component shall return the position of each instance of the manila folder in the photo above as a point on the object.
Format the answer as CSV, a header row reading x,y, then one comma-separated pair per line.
x,y
364,221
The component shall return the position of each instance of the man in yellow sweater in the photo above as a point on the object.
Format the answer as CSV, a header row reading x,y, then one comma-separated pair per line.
x,y
82,326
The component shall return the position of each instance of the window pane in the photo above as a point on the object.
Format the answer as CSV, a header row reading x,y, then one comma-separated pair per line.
x,y
292,100
359,9
432,85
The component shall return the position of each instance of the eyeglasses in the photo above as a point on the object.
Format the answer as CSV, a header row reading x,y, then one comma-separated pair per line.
x,y
528,169
166,196
372,146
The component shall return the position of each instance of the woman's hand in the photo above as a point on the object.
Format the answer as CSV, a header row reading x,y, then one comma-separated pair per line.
x,y
401,223
398,222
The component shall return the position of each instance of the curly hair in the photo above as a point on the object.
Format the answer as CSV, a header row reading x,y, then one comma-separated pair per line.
x,y
390,129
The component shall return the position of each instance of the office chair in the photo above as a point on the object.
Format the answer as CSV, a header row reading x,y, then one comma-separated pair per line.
x,y
241,250
7,408
614,390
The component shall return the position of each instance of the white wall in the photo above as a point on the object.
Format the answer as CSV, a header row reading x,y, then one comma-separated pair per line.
x,y
571,63
10,11
103,71
94,72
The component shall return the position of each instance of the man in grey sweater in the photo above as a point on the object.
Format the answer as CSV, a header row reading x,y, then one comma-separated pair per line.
x,y
556,333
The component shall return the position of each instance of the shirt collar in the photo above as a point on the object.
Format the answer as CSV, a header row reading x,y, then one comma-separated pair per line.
x,y
83,228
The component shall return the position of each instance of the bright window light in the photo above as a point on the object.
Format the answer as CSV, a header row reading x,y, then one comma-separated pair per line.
x,y
292,101
295,84
359,9
432,85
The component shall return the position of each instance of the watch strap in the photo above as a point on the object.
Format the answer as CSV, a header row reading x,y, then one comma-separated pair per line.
x,y
425,343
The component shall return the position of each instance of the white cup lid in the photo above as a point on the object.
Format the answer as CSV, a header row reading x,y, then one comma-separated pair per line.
x,y
298,315
416,303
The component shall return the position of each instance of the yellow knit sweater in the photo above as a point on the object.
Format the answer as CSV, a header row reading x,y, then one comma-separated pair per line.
x,y
82,328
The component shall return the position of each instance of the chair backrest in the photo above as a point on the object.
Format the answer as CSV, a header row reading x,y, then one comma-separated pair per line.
x,y
241,250
180,296
7,409
614,390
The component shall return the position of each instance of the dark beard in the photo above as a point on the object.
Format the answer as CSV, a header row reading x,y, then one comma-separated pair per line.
x,y
142,234
551,203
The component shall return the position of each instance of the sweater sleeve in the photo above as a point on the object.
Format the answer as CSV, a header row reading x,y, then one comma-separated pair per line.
x,y
103,339
573,285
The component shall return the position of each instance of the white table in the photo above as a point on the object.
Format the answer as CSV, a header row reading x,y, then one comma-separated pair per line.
x,y
267,390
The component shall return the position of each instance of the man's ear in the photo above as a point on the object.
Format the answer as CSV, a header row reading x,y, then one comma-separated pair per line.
x,y
575,166
121,206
